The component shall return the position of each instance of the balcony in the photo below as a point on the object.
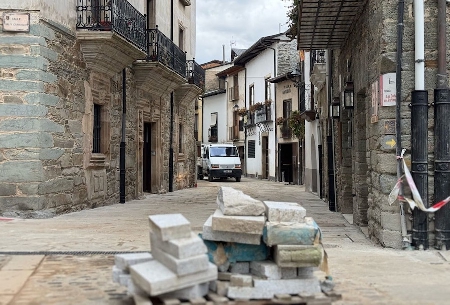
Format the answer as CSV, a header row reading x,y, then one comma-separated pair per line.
x,y
111,34
194,86
164,68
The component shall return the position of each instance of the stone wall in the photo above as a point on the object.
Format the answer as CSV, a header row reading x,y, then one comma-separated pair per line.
x,y
46,128
370,52
287,57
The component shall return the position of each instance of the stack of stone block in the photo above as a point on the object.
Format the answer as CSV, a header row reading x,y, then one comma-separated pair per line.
x,y
178,266
262,249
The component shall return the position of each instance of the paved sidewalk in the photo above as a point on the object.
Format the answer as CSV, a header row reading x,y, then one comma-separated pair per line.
x,y
68,259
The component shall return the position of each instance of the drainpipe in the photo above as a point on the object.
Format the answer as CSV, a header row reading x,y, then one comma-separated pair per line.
x,y
442,136
419,131
171,113
245,127
406,244
122,142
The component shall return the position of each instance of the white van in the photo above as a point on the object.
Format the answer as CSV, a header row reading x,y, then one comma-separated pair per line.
x,y
219,161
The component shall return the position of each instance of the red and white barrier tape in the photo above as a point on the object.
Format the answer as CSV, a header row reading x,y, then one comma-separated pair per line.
x,y
416,202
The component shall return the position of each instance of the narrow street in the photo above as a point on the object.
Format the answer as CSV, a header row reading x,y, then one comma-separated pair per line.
x,y
68,259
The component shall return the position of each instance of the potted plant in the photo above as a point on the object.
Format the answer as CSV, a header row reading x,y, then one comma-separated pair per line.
x,y
280,120
267,103
256,107
242,112
297,124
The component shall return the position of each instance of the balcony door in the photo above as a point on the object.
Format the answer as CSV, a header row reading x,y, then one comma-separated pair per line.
x,y
147,159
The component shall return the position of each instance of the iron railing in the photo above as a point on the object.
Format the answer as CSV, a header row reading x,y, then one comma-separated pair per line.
x,y
263,115
113,15
318,57
195,73
163,50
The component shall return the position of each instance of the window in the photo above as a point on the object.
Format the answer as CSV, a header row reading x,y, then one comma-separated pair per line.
x,y
267,94
180,138
181,38
223,152
97,129
287,108
251,148
235,87
213,130
251,95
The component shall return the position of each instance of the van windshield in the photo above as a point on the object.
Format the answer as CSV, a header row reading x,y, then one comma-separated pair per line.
x,y
223,152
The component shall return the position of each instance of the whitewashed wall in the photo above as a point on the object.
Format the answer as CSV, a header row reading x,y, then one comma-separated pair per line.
x,y
258,69
216,103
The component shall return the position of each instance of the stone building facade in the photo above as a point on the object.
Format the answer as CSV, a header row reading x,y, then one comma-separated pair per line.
x,y
364,136
66,90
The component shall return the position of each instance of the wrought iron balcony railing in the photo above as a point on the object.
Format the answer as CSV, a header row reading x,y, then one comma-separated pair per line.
x,y
113,15
195,74
163,50
318,57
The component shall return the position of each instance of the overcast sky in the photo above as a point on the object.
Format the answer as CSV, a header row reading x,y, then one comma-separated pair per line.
x,y
243,22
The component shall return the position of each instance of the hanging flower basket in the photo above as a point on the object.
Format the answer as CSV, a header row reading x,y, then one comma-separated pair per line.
x,y
256,107
280,120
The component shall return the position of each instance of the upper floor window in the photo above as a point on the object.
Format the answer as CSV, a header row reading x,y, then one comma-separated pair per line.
x,y
251,95
97,129
181,38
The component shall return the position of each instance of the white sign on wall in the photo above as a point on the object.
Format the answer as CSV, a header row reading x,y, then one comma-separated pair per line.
x,y
16,22
387,89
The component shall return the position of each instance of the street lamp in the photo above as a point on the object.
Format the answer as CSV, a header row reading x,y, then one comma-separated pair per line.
x,y
348,95
335,107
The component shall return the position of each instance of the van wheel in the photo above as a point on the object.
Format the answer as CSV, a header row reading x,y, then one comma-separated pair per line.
x,y
238,179
210,178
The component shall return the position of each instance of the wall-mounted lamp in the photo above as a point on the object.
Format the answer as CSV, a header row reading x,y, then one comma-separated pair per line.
x,y
348,95
335,107
236,107
295,76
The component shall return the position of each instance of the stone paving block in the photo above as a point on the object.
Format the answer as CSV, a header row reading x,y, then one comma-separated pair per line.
x,y
155,279
13,280
266,289
284,211
192,292
241,280
288,273
124,261
124,278
305,272
182,266
224,276
234,202
297,256
240,267
116,273
23,262
244,238
141,300
170,226
222,288
282,233
180,248
220,253
198,301
266,269
238,224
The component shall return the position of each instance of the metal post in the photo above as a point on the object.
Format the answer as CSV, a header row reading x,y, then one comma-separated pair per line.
x,y
442,165
419,164
122,143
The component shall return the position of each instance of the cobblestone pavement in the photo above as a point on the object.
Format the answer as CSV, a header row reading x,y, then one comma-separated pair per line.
x,y
68,259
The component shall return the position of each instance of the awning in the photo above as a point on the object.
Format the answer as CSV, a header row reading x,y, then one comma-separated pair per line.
x,y
325,24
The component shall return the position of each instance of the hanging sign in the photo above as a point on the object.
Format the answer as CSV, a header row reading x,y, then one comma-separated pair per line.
x,y
387,89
